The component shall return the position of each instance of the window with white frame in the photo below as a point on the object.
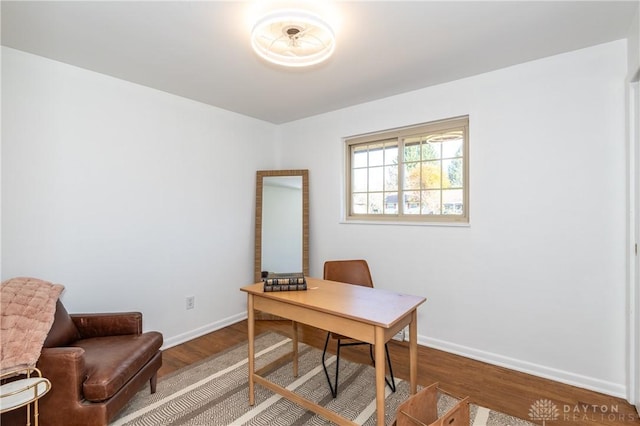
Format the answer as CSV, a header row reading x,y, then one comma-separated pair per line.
x,y
414,174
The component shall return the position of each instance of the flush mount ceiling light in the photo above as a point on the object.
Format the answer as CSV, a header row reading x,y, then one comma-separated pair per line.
x,y
293,38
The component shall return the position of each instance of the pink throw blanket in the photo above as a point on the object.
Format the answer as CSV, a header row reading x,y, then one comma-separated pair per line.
x,y
27,311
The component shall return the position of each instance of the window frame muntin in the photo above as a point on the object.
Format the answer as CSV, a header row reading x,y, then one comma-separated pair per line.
x,y
399,134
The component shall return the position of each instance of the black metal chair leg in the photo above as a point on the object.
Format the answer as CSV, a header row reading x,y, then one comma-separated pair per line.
x,y
334,386
392,383
334,389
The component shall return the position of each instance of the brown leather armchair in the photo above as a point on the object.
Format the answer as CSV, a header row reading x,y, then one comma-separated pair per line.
x,y
96,363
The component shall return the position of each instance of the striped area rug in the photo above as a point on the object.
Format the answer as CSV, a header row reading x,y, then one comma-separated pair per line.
x,y
215,392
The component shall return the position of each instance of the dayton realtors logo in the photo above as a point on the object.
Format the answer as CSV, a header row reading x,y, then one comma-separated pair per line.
x,y
546,410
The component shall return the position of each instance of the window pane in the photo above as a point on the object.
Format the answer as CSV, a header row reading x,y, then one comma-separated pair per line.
x,y
452,144
375,203
412,149
411,176
391,154
431,151
376,178
452,170
359,183
431,202
391,178
359,203
359,156
376,155
431,175
412,202
452,202
390,202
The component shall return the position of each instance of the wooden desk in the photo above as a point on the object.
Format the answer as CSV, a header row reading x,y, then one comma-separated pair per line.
x,y
367,314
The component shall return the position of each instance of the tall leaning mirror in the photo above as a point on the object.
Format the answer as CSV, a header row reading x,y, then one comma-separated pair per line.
x,y
282,222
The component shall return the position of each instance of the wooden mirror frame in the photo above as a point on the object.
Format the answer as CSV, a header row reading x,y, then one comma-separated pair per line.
x,y
260,175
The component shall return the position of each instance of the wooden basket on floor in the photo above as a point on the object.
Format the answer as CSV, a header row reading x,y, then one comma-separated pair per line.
x,y
422,409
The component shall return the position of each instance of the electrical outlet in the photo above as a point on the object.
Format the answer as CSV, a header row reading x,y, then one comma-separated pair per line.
x,y
191,302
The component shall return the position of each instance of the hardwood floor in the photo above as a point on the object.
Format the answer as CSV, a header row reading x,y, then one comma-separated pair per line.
x,y
494,387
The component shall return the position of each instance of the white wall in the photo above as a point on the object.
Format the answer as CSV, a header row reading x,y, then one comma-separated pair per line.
x,y
537,281
131,197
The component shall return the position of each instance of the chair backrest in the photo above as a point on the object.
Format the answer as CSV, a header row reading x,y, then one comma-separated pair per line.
x,y
63,331
348,271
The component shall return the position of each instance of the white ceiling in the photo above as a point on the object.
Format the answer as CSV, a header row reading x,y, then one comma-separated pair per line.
x,y
201,49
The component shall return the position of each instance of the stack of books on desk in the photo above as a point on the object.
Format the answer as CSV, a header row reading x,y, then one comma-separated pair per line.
x,y
288,281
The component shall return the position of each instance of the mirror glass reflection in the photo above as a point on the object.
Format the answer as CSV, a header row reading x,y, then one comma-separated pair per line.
x,y
282,224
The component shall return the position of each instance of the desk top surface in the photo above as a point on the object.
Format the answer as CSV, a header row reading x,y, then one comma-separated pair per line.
x,y
369,305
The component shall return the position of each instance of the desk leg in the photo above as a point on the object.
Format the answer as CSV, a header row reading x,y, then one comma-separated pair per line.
x,y
413,353
294,339
380,371
252,351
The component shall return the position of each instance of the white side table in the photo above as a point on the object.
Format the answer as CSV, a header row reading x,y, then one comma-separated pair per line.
x,y
21,392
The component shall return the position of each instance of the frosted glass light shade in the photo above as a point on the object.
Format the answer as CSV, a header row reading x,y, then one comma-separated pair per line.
x,y
293,38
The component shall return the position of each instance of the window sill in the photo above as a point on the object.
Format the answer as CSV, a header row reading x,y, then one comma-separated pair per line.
x,y
405,223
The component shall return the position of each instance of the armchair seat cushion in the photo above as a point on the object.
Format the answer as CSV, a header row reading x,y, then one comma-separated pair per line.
x,y
112,361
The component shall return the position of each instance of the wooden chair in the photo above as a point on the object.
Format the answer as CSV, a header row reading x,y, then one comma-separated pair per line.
x,y
351,272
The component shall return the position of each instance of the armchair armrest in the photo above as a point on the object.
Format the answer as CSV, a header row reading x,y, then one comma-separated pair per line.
x,y
108,324
65,369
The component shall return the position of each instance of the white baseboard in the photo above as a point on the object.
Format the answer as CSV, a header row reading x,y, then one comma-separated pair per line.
x,y
569,378
201,331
